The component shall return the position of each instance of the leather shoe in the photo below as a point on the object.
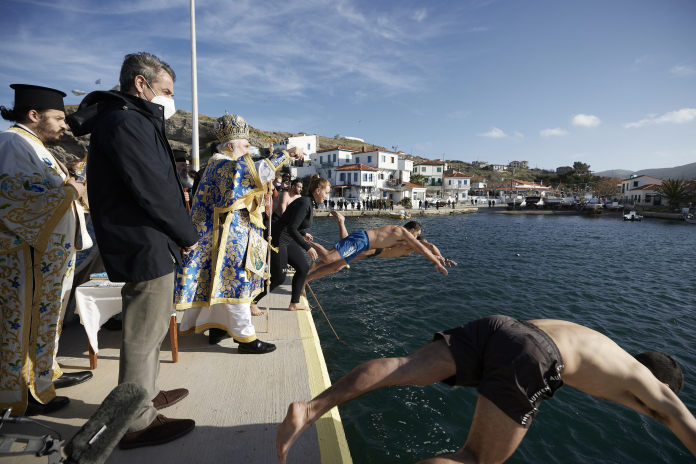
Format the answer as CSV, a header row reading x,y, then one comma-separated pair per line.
x,y
72,378
34,408
215,336
162,430
256,347
164,399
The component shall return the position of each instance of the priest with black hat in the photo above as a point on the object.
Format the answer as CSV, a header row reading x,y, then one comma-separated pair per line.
x,y
41,227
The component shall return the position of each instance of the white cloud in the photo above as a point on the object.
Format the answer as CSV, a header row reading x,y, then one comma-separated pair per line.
x,y
518,135
681,116
420,15
494,133
586,120
554,132
683,69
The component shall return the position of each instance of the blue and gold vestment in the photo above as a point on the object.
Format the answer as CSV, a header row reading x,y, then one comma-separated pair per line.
x,y
226,209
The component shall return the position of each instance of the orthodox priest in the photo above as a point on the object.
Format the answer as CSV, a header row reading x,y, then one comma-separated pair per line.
x,y
215,285
41,226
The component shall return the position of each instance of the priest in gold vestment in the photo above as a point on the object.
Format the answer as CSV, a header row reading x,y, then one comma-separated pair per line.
x,y
40,229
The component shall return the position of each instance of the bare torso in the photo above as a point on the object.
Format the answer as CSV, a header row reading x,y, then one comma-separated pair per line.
x,y
387,237
284,199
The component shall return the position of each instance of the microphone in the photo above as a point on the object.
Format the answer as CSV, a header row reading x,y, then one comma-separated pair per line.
x,y
95,441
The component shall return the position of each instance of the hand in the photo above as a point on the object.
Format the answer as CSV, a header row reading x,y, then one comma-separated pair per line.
x,y
186,196
312,253
189,249
296,152
449,262
81,188
439,268
338,217
308,237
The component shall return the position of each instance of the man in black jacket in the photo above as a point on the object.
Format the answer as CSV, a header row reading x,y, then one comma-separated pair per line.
x,y
140,221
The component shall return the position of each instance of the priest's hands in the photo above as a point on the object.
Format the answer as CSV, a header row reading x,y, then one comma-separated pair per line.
x,y
296,152
187,250
79,187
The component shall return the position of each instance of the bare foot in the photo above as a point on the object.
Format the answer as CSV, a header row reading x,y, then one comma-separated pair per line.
x,y
293,425
297,307
255,311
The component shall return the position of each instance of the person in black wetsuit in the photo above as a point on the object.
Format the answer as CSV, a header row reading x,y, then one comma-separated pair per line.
x,y
290,237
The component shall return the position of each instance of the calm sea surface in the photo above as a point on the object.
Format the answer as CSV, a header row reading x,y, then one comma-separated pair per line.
x,y
634,282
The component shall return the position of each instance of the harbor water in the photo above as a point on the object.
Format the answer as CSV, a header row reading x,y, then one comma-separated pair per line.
x,y
634,282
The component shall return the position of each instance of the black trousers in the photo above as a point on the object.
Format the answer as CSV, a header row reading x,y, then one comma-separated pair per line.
x,y
295,256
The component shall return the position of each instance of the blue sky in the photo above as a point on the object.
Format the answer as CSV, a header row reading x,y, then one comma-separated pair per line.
x,y
612,84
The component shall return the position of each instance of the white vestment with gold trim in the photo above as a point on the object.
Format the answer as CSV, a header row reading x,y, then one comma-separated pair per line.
x,y
40,222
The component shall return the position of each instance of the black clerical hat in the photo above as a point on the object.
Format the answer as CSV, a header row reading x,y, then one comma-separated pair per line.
x,y
180,156
34,95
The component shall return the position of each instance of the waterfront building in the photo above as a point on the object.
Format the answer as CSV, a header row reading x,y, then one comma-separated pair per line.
x,y
432,171
457,186
633,190
499,167
355,181
413,191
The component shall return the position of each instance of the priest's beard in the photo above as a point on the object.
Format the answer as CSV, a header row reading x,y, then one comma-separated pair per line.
x,y
45,132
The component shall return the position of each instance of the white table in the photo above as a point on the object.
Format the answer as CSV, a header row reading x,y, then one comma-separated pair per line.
x,y
96,302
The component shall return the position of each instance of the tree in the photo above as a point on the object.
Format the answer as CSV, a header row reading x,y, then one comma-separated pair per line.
x,y
580,165
418,179
608,187
675,191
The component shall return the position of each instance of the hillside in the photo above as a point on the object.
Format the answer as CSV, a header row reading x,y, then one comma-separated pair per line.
x,y
686,171
616,173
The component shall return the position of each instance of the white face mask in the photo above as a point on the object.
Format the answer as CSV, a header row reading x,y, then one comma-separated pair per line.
x,y
167,103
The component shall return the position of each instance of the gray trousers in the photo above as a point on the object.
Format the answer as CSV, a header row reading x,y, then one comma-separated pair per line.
x,y
147,309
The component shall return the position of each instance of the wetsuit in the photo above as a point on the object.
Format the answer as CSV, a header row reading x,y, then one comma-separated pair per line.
x,y
288,237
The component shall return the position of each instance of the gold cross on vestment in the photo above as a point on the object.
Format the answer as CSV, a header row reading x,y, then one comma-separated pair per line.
x,y
183,275
205,192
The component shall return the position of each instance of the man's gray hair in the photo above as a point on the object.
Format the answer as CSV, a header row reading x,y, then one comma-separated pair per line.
x,y
142,64
223,145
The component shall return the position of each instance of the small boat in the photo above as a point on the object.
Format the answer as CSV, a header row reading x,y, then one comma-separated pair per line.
x,y
690,218
533,201
569,202
632,216
552,202
403,214
615,206
516,203
593,204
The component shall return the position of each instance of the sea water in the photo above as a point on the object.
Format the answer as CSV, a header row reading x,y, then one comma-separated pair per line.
x,y
632,281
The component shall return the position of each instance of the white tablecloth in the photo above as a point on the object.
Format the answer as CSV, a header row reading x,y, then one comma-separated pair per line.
x,y
96,302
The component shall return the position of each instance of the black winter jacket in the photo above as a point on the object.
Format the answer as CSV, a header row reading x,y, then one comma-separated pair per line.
x,y
134,193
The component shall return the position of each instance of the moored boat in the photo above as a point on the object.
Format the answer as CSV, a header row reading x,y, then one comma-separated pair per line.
x,y
632,216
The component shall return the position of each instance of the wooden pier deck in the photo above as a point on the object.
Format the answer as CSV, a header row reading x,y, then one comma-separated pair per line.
x,y
238,401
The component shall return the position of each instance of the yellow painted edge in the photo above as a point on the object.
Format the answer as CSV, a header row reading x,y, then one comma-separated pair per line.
x,y
333,445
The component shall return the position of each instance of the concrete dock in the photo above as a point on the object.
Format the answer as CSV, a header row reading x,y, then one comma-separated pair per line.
x,y
238,401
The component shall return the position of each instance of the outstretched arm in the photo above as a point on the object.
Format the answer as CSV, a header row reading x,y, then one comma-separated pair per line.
x,y
419,247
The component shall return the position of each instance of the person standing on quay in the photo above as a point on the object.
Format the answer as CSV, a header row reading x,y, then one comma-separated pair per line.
x,y
141,225
40,220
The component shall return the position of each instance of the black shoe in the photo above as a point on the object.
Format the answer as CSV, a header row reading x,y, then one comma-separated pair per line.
x,y
256,347
215,336
73,378
113,324
34,408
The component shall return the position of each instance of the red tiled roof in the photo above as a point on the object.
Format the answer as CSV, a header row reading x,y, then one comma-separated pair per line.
x,y
409,184
458,174
647,187
478,178
356,167
436,163
339,147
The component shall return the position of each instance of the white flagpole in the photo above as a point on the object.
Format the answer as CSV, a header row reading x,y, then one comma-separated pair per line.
x,y
194,91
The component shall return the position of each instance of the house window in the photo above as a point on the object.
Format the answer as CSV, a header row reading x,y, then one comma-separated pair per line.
x,y
370,177
465,182
415,170
369,159
384,159
355,177
623,187
309,147
329,174
635,183
343,176
450,182
439,169
321,159
381,176
334,157
648,197
365,176
357,160
392,159
423,169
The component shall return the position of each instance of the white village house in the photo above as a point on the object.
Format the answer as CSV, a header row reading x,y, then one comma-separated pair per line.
x,y
457,186
641,190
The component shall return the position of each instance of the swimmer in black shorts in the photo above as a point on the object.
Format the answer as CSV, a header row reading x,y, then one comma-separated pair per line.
x,y
514,365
